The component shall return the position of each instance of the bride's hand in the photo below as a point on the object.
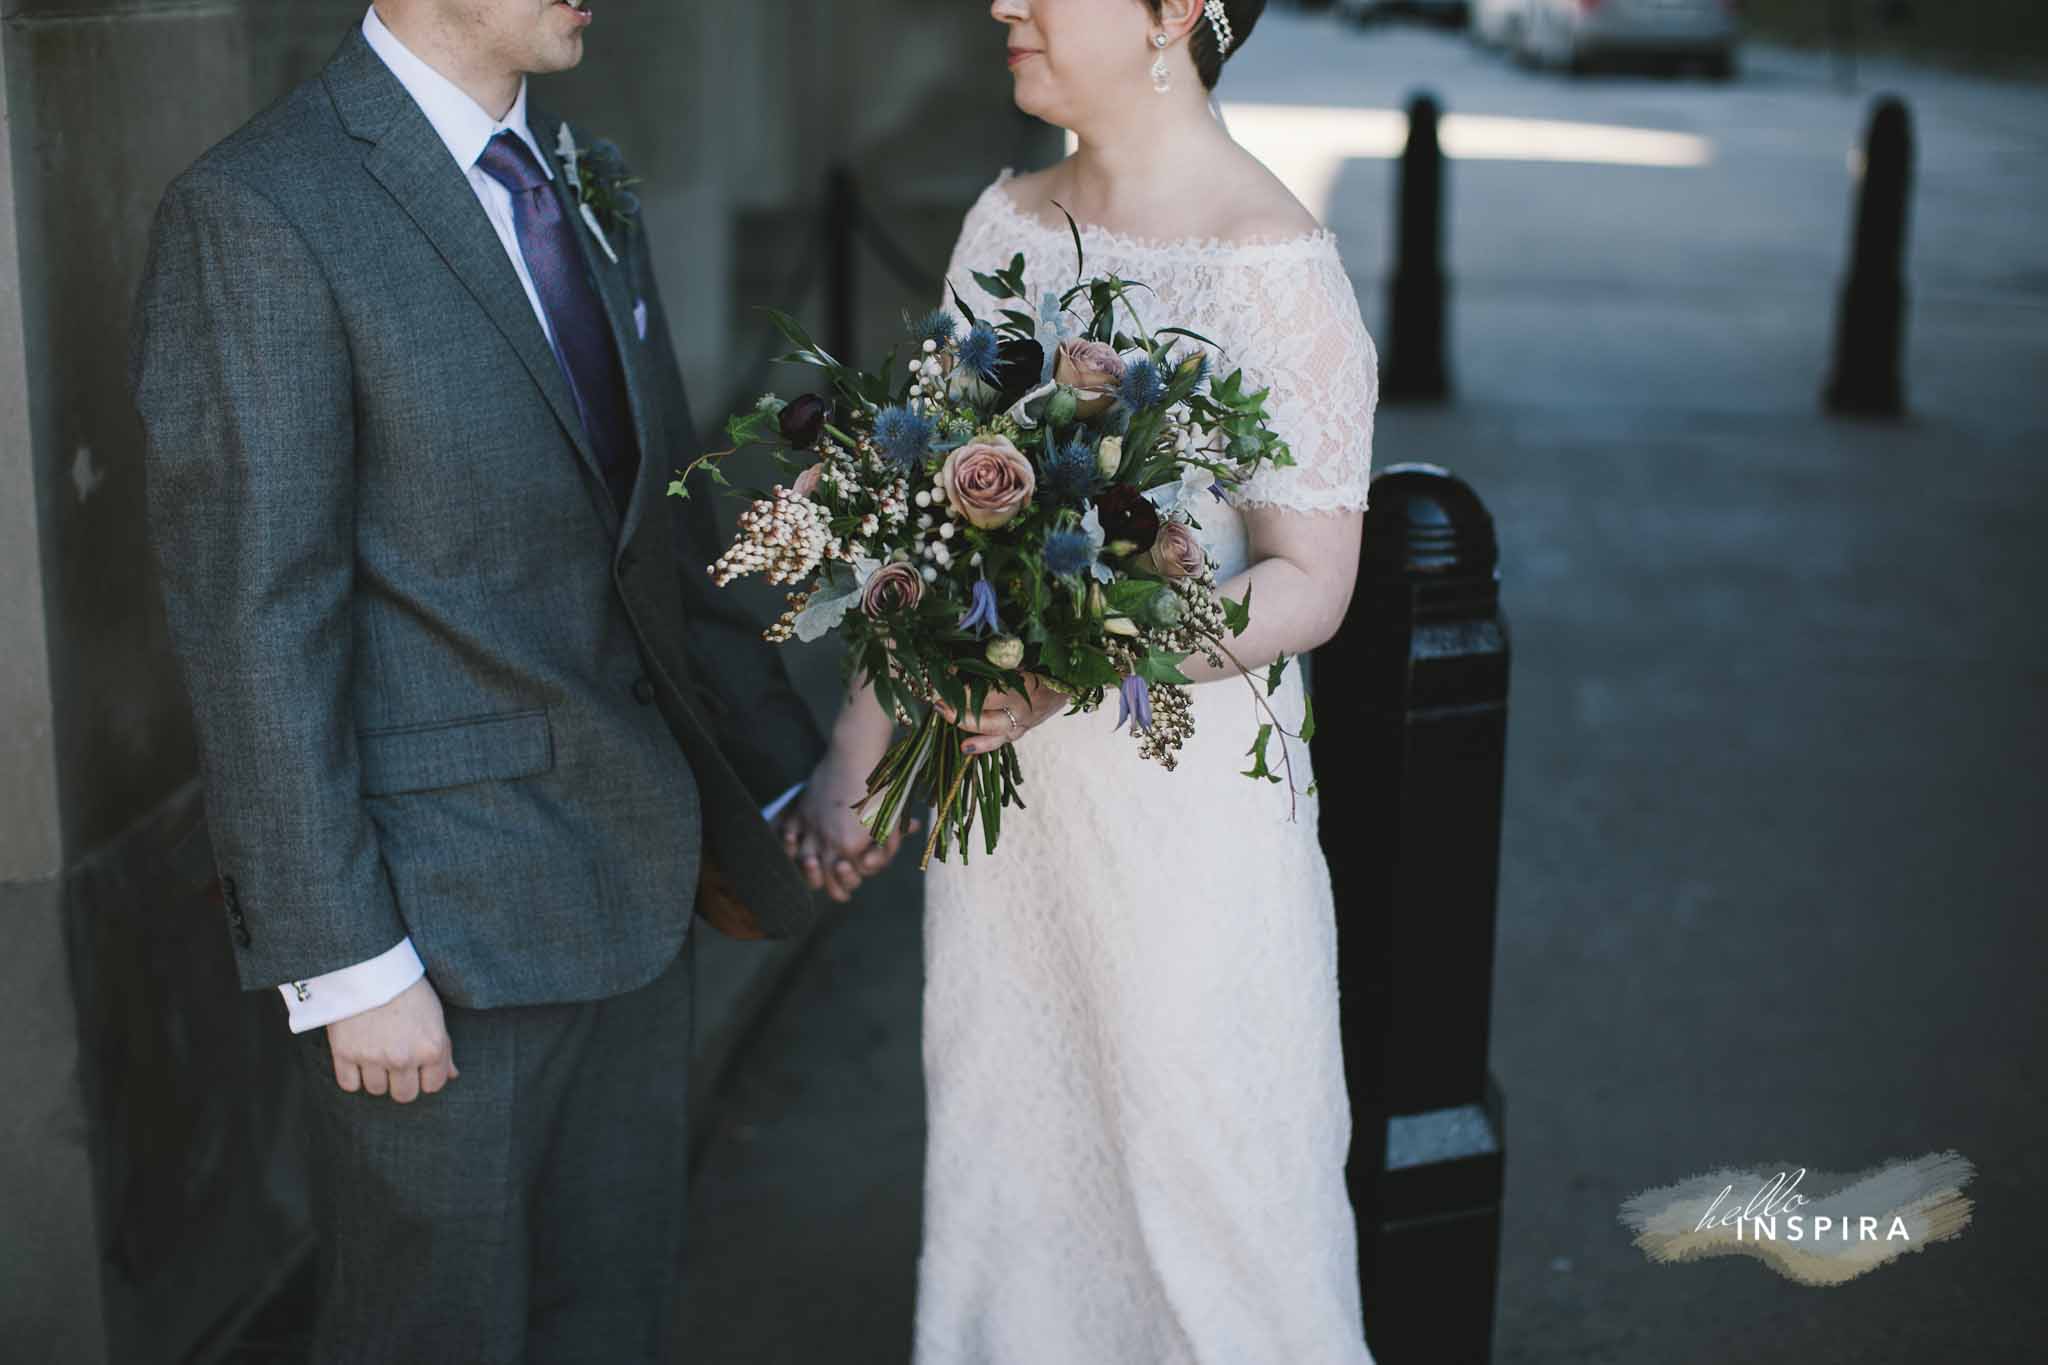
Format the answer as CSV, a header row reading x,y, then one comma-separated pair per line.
x,y
1005,716
821,834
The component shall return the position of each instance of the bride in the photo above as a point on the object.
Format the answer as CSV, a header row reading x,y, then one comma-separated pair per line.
x,y
1137,1114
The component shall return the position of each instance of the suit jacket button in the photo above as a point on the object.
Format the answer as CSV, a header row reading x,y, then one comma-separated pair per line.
x,y
643,691
242,935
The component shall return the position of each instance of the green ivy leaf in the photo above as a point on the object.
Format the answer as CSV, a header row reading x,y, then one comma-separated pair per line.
x,y
1258,753
1274,673
1238,615
1132,596
1159,666
1308,718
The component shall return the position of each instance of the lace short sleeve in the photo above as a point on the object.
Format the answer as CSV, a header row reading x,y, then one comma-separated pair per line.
x,y
1300,334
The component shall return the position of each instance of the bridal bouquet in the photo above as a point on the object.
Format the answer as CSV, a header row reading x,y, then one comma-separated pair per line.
x,y
1021,495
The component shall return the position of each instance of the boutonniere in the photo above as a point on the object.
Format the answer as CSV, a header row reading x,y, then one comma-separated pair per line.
x,y
603,190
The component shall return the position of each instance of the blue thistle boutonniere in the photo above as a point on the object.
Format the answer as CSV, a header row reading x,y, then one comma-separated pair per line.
x,y
603,190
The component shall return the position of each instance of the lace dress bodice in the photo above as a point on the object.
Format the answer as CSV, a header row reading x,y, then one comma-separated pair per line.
x,y
1282,309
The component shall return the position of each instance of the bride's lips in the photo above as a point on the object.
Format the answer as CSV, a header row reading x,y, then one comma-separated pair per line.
x,y
1018,55
579,8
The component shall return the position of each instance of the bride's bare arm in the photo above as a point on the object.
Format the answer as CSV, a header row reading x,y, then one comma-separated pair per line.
x,y
1304,568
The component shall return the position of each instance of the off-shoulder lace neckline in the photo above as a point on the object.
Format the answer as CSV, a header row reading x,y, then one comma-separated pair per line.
x,y
1295,243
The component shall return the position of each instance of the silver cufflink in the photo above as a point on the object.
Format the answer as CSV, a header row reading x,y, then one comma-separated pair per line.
x,y
304,994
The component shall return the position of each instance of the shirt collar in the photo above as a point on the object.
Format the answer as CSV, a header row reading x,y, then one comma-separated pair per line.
x,y
462,123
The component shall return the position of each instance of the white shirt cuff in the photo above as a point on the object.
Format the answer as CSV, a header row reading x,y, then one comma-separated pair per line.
x,y
321,1000
774,808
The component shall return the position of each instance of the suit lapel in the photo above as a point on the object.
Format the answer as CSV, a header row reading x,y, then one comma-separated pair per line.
x,y
412,163
614,288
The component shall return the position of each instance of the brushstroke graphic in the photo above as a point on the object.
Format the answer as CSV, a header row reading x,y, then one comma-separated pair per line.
x,y
1815,1227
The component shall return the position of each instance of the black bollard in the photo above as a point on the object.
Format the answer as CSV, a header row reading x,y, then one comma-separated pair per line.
x,y
1870,329
1415,370
1409,753
842,217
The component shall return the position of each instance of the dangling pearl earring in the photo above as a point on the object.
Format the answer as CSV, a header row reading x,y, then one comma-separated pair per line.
x,y
1162,79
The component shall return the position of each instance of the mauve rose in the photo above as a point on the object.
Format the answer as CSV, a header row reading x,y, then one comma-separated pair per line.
x,y
1176,554
895,587
803,421
807,482
988,481
1093,369
1127,514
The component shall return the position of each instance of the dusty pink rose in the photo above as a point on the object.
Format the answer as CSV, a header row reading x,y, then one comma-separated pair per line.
x,y
1092,369
895,587
988,481
807,482
1176,553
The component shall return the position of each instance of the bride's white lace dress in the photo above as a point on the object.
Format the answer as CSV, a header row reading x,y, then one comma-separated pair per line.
x,y
1137,1114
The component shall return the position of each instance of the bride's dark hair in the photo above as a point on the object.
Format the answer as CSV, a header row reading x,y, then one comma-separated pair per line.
x,y
1243,14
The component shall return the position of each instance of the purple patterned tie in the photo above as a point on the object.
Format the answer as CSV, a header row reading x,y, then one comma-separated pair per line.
x,y
583,341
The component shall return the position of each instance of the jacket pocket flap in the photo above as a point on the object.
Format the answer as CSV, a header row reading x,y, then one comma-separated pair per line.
x,y
453,753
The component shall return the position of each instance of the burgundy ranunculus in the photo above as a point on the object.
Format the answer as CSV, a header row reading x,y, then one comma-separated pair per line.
x,y
894,588
1019,362
803,421
1128,514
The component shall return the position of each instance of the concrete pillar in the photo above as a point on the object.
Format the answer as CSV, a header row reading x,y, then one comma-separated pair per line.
x,y
49,1253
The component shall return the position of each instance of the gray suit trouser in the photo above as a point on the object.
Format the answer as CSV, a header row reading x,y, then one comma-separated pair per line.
x,y
532,1210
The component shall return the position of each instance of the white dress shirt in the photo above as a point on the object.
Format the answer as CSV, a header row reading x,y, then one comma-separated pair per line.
x,y
467,130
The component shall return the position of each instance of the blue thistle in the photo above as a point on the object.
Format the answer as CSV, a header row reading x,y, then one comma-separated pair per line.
x,y
903,435
1069,472
1142,385
979,350
937,326
1068,552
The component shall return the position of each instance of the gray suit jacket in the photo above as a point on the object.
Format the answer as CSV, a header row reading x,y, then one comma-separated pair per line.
x,y
442,686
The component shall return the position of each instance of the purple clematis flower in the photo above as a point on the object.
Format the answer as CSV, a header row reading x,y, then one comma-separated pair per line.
x,y
1133,697
983,610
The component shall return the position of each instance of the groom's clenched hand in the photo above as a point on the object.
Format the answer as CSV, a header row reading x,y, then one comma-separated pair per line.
x,y
400,1049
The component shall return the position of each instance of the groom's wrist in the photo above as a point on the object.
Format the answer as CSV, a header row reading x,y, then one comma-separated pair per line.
x,y
331,997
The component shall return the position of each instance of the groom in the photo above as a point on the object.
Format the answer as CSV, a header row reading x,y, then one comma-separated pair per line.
x,y
472,719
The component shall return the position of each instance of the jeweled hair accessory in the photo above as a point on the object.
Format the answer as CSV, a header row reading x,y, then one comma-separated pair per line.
x,y
1219,19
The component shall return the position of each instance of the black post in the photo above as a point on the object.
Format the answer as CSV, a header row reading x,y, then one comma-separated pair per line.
x,y
1870,329
840,224
1415,369
1409,753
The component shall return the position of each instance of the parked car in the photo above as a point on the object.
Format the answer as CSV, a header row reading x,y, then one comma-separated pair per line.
x,y
1449,12
1498,23
1575,34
